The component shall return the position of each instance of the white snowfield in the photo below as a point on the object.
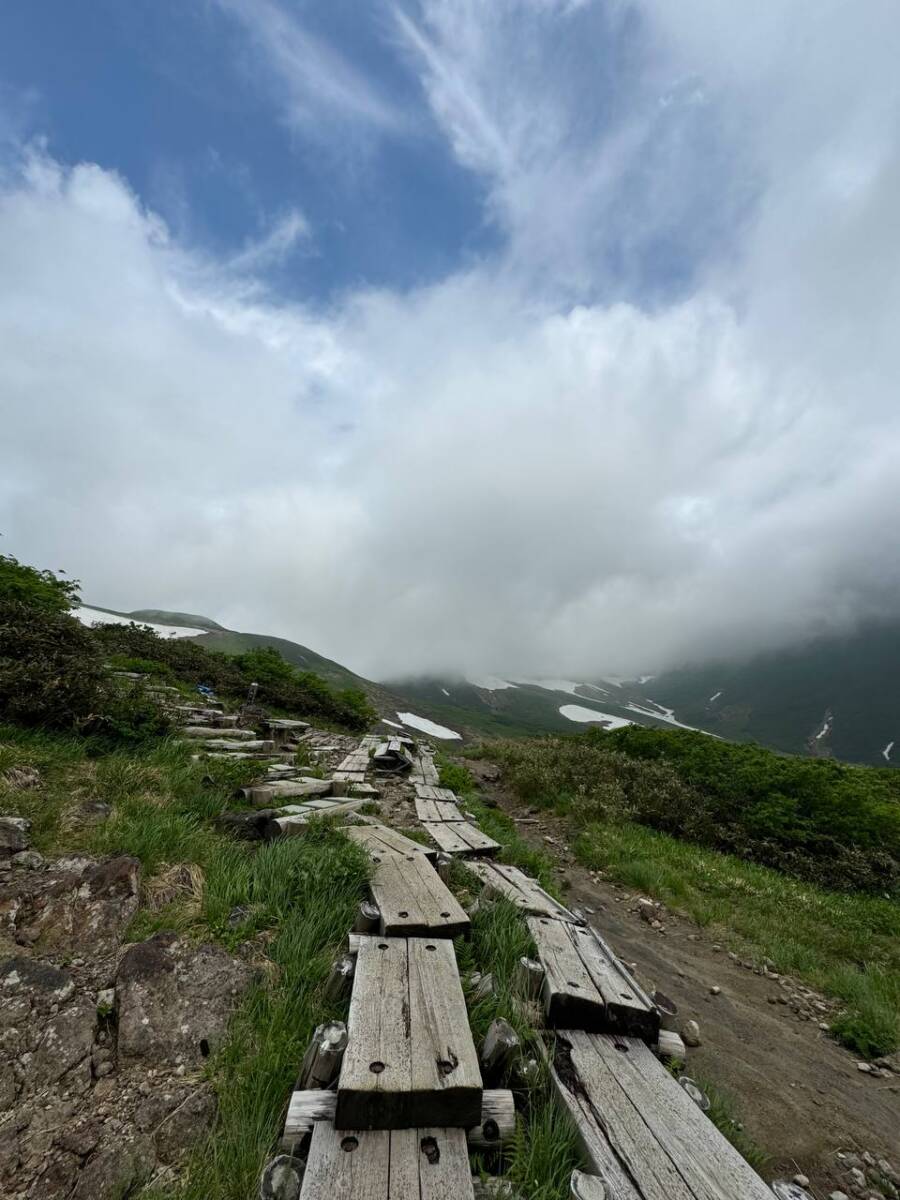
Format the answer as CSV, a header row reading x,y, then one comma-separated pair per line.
x,y
661,714
488,683
575,712
426,726
94,616
555,685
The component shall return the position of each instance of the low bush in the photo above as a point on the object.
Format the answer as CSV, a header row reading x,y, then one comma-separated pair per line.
x,y
820,820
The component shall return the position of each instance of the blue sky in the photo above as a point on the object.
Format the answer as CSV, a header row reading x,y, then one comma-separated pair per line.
x,y
525,337
170,95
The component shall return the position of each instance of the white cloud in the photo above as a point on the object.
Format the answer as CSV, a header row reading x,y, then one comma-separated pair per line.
x,y
482,474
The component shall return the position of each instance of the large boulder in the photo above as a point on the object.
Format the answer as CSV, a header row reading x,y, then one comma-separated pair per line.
x,y
174,1000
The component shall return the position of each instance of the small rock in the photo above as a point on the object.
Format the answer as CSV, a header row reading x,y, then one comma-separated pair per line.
x,y
865,1067
858,1176
801,1181
28,860
690,1033
646,910
838,1196
714,991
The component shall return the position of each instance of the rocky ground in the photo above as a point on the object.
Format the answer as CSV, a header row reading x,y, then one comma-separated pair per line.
x,y
101,1044
762,1036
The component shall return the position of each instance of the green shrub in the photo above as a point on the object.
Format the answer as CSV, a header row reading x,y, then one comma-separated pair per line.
x,y
37,589
835,824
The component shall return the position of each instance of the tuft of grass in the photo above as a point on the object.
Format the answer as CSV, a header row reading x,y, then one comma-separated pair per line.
x,y
723,1114
845,944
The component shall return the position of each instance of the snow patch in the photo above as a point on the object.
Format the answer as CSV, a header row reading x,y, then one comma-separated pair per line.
x,y
886,752
490,683
426,726
576,712
714,697
444,690
825,728
661,713
94,616
555,685
396,724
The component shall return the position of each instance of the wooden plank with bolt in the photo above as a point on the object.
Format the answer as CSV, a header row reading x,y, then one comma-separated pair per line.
x,y
410,1056
380,841
519,888
413,899
459,837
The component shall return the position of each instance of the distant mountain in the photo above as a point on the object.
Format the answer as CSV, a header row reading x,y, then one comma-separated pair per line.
x,y
835,696
163,617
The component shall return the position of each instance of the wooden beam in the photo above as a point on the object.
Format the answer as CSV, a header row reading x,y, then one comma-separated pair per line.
x,y
437,810
400,1164
496,1125
413,899
585,986
380,841
459,837
523,891
641,1133
410,1056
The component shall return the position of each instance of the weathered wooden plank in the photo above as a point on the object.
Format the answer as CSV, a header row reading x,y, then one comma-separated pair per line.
x,y
401,1164
641,1133
413,899
523,891
496,1125
410,1056
585,987
380,840
293,819
347,1166
202,731
437,810
268,794
459,837
427,791
424,770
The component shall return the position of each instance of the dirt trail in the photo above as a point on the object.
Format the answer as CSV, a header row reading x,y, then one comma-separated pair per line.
x,y
799,1094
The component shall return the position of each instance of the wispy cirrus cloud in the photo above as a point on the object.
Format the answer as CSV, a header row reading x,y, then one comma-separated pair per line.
x,y
316,87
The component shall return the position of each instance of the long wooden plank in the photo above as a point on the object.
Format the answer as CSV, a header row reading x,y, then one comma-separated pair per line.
x,y
380,840
413,899
437,810
410,1057
459,837
424,770
523,891
642,1133
585,987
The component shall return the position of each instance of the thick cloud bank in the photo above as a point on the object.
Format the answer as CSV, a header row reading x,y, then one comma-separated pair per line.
x,y
542,464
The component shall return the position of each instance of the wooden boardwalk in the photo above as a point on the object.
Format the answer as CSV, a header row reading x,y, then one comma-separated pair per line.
x,y
640,1131
410,1058
413,899
521,890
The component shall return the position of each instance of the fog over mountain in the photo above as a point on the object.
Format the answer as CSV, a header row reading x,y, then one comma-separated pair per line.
x,y
619,393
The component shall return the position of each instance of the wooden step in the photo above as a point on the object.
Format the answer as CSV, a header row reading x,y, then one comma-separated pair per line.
x,y
399,1164
640,1131
410,1059
496,1126
428,791
380,840
413,899
519,888
585,986
437,810
460,837
424,770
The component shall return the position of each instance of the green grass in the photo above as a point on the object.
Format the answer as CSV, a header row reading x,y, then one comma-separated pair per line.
x,y
845,944
544,1151
496,824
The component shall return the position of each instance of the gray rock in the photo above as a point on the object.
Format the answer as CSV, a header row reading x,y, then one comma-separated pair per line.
x,y
65,1043
28,860
116,1169
14,834
281,1179
174,1000
176,1135
690,1033
838,1196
